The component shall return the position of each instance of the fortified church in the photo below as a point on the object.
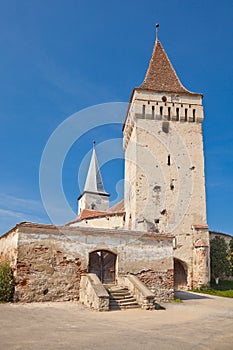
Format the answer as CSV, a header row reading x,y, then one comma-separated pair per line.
x,y
153,241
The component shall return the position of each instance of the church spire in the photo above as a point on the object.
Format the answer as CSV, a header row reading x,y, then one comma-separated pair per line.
x,y
94,181
94,196
160,75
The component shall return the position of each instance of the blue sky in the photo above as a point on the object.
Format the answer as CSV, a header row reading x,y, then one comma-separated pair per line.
x,y
58,57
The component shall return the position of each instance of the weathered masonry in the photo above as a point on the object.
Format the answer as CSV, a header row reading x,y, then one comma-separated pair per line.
x,y
156,239
48,261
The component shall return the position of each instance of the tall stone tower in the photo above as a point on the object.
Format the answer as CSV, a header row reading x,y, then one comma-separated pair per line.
x,y
94,196
164,167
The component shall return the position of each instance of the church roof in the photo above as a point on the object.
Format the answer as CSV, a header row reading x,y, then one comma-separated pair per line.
x,y
160,75
118,207
88,213
116,210
94,181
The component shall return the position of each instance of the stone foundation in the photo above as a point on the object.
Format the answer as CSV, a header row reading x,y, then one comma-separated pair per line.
x,y
160,283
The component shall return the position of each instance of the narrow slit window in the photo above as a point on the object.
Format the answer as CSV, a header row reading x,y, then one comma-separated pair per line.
x,y
143,110
169,160
186,115
161,111
194,115
169,113
153,112
177,114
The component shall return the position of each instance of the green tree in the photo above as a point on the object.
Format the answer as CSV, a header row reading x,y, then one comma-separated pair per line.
x,y
231,255
219,263
6,282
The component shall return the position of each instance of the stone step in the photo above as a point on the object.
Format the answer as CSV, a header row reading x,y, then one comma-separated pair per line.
x,y
124,300
120,295
113,297
121,298
124,307
119,291
128,301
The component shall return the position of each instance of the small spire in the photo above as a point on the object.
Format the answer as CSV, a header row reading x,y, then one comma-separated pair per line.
x,y
94,181
157,31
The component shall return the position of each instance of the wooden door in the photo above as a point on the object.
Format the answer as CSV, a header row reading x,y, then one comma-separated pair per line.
x,y
103,264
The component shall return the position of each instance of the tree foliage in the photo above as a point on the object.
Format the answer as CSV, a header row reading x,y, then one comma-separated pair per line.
x,y
6,282
219,264
231,255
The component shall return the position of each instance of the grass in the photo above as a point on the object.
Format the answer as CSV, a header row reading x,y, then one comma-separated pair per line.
x,y
175,300
223,289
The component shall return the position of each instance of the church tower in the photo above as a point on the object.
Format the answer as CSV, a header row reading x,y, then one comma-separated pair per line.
x,y
94,196
164,167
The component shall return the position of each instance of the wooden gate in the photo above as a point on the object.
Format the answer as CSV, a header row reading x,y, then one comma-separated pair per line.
x,y
103,264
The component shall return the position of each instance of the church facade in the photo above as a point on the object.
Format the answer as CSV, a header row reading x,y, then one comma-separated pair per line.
x,y
158,232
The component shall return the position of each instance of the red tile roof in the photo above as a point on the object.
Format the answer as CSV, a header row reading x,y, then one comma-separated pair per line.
x,y
117,209
160,75
87,213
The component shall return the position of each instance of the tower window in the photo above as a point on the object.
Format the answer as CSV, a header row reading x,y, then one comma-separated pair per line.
x,y
153,112
169,160
143,110
194,115
186,115
169,113
161,111
177,114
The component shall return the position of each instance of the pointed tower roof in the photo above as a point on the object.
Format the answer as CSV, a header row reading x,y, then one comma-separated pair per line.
x,y
160,75
94,181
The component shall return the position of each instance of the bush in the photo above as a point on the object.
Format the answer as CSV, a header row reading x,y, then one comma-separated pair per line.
x,y
6,283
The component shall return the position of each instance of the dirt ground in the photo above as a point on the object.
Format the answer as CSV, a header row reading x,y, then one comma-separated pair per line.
x,y
199,322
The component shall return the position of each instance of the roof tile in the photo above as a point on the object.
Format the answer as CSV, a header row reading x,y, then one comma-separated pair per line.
x,y
160,75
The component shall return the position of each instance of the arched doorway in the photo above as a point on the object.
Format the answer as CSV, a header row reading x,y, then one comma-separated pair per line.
x,y
180,274
103,264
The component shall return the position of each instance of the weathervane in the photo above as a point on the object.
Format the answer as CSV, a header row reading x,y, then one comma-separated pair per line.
x,y
157,31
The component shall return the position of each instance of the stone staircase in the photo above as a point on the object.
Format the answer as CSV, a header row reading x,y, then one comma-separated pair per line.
x,y
120,298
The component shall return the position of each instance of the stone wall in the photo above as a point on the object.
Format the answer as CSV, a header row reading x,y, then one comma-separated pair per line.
x,y
107,222
51,260
46,271
8,247
225,236
161,283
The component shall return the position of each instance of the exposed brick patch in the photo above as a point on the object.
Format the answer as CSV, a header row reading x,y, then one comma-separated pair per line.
x,y
160,283
44,273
